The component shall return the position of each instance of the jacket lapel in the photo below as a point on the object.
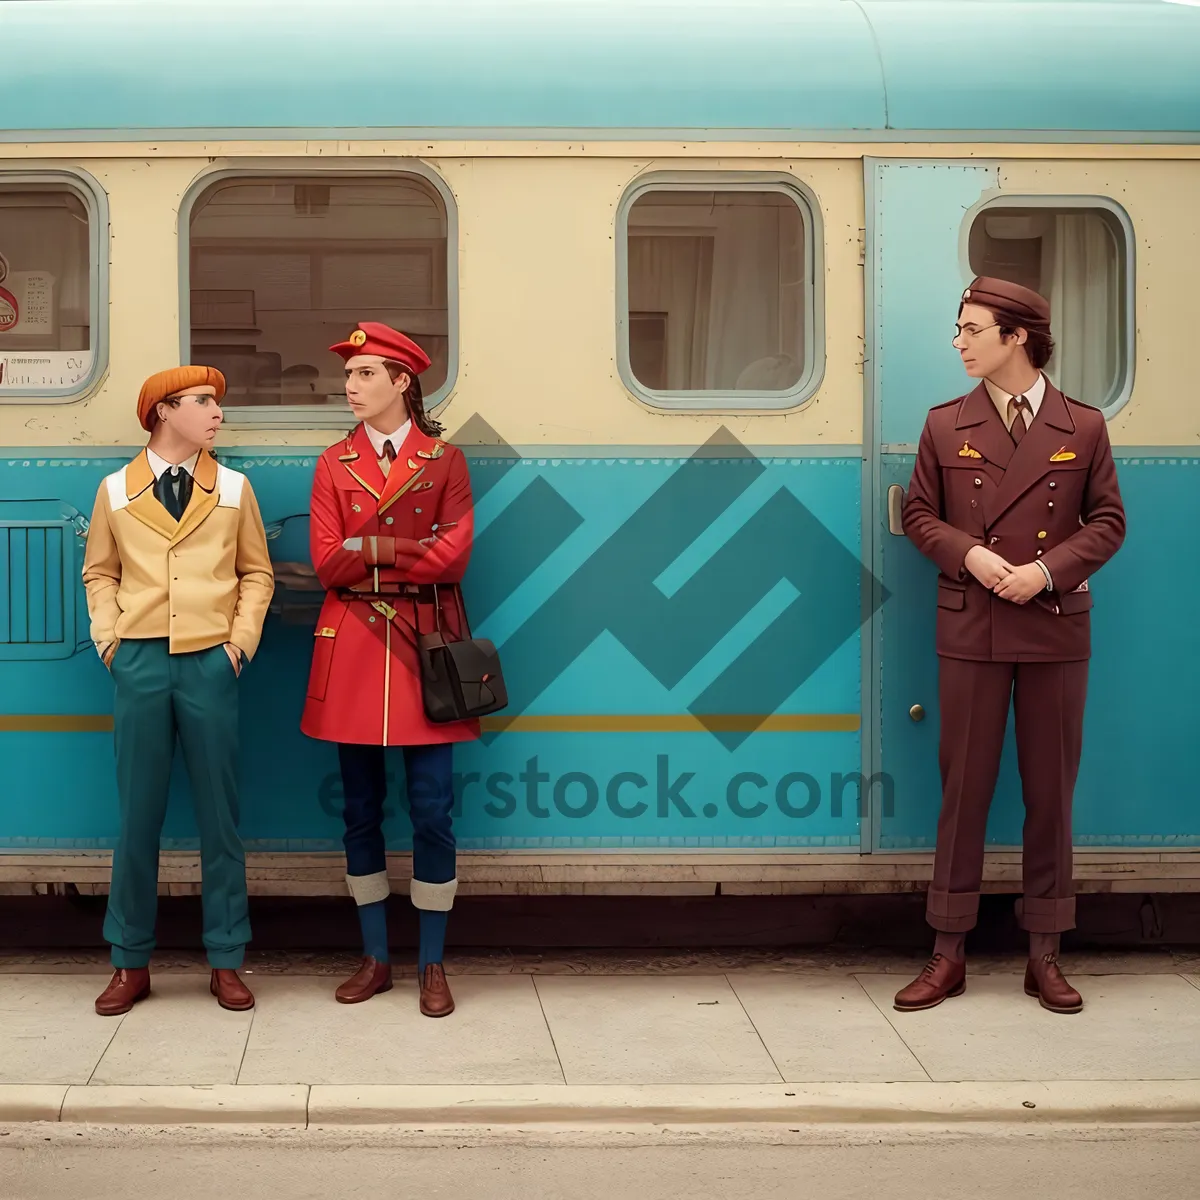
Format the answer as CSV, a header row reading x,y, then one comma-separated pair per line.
x,y
204,497
1031,459
982,430
418,451
359,461
143,503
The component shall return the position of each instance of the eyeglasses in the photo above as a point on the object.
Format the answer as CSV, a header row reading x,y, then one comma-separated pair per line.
x,y
960,332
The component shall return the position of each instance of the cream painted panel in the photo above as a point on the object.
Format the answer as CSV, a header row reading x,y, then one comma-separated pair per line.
x,y
1162,199
538,296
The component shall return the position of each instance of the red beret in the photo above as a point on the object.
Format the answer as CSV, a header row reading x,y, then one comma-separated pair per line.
x,y
371,337
1022,304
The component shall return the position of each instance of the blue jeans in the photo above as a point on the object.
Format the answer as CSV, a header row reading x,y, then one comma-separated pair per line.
x,y
429,780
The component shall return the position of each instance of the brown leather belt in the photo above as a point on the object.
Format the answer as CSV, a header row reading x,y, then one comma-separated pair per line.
x,y
421,592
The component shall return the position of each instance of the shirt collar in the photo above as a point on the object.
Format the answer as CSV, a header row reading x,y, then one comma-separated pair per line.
x,y
1000,397
377,439
158,464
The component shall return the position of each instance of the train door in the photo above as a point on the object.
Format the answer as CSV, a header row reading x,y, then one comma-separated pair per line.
x,y
915,214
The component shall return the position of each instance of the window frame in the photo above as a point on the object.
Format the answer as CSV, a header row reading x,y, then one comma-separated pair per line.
x,y
95,200
1119,395
722,399
318,416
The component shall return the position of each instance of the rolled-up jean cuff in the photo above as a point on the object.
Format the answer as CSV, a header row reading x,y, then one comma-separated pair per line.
x,y
227,960
433,897
369,889
1054,914
952,912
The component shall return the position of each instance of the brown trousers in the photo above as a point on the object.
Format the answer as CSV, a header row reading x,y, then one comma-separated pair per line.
x,y
1048,700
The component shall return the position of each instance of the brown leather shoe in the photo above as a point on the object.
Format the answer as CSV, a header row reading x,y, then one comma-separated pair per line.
x,y
125,989
371,978
940,977
436,1000
230,991
1045,980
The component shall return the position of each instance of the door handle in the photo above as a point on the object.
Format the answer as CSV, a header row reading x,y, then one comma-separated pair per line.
x,y
895,509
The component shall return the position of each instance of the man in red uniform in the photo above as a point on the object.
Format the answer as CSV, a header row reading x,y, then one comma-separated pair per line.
x,y
391,517
1014,496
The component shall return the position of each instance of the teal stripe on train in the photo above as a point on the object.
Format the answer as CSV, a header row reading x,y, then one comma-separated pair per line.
x,y
557,67
632,586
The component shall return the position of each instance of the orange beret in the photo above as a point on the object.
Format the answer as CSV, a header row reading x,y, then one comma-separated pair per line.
x,y
373,337
169,383
1021,305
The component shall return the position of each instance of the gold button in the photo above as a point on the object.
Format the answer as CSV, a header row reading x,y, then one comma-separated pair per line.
x,y
1041,533
1053,484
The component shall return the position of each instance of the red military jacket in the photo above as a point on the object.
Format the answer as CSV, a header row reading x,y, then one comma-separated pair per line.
x,y
1053,497
416,527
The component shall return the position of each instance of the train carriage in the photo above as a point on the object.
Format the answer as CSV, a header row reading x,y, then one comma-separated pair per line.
x,y
687,274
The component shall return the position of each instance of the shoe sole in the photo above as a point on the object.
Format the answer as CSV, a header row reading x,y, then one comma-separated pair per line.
x,y
120,1012
1077,1008
426,1013
387,987
958,991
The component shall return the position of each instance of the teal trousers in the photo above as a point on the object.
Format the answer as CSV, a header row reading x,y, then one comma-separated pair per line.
x,y
160,697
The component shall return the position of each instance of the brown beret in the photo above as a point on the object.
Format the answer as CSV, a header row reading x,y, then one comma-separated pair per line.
x,y
169,383
1021,305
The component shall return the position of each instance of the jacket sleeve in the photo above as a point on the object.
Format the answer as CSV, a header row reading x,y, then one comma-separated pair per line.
x,y
443,557
102,575
256,578
1102,528
924,514
336,567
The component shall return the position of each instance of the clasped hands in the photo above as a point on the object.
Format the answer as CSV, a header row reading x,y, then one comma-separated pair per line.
x,y
1018,584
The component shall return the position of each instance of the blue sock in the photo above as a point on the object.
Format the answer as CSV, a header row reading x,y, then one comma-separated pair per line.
x,y
373,919
433,938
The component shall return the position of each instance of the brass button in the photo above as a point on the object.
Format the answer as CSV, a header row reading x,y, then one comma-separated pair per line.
x,y
1041,534
1053,484
1049,503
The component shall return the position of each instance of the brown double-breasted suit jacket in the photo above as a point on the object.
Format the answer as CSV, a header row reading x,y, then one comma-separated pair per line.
x,y
1053,496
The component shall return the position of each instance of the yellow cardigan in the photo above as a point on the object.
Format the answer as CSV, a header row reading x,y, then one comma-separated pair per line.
x,y
200,582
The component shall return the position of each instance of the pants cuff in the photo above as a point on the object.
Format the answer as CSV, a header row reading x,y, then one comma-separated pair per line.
x,y
1046,915
433,897
369,889
227,960
952,912
129,960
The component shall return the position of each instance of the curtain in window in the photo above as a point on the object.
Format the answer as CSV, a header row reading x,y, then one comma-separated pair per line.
x,y
1081,266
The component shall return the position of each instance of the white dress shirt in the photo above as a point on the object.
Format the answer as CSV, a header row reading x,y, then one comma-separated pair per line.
x,y
158,464
377,439
1035,395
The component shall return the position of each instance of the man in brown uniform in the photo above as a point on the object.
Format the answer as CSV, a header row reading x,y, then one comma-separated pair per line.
x,y
1014,496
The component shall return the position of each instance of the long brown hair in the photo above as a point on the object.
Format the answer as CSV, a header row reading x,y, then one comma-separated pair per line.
x,y
414,399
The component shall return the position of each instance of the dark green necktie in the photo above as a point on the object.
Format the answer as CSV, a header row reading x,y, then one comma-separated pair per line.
x,y
174,490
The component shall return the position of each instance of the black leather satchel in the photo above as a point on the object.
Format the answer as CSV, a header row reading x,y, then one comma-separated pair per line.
x,y
459,679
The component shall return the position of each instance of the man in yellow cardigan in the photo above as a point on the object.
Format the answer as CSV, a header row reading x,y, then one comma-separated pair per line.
x,y
178,582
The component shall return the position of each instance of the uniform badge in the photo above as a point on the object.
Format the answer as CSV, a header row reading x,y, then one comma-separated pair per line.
x,y
420,487
347,458
967,452
357,338
437,451
1062,454
412,466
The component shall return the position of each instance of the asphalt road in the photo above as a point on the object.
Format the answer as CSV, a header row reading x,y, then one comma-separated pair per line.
x,y
58,1162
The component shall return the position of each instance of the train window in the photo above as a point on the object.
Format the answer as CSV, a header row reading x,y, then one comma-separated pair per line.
x,y
283,266
1077,257
49,279
716,295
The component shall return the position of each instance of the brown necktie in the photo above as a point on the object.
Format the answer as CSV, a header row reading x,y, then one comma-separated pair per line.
x,y
389,451
1017,408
